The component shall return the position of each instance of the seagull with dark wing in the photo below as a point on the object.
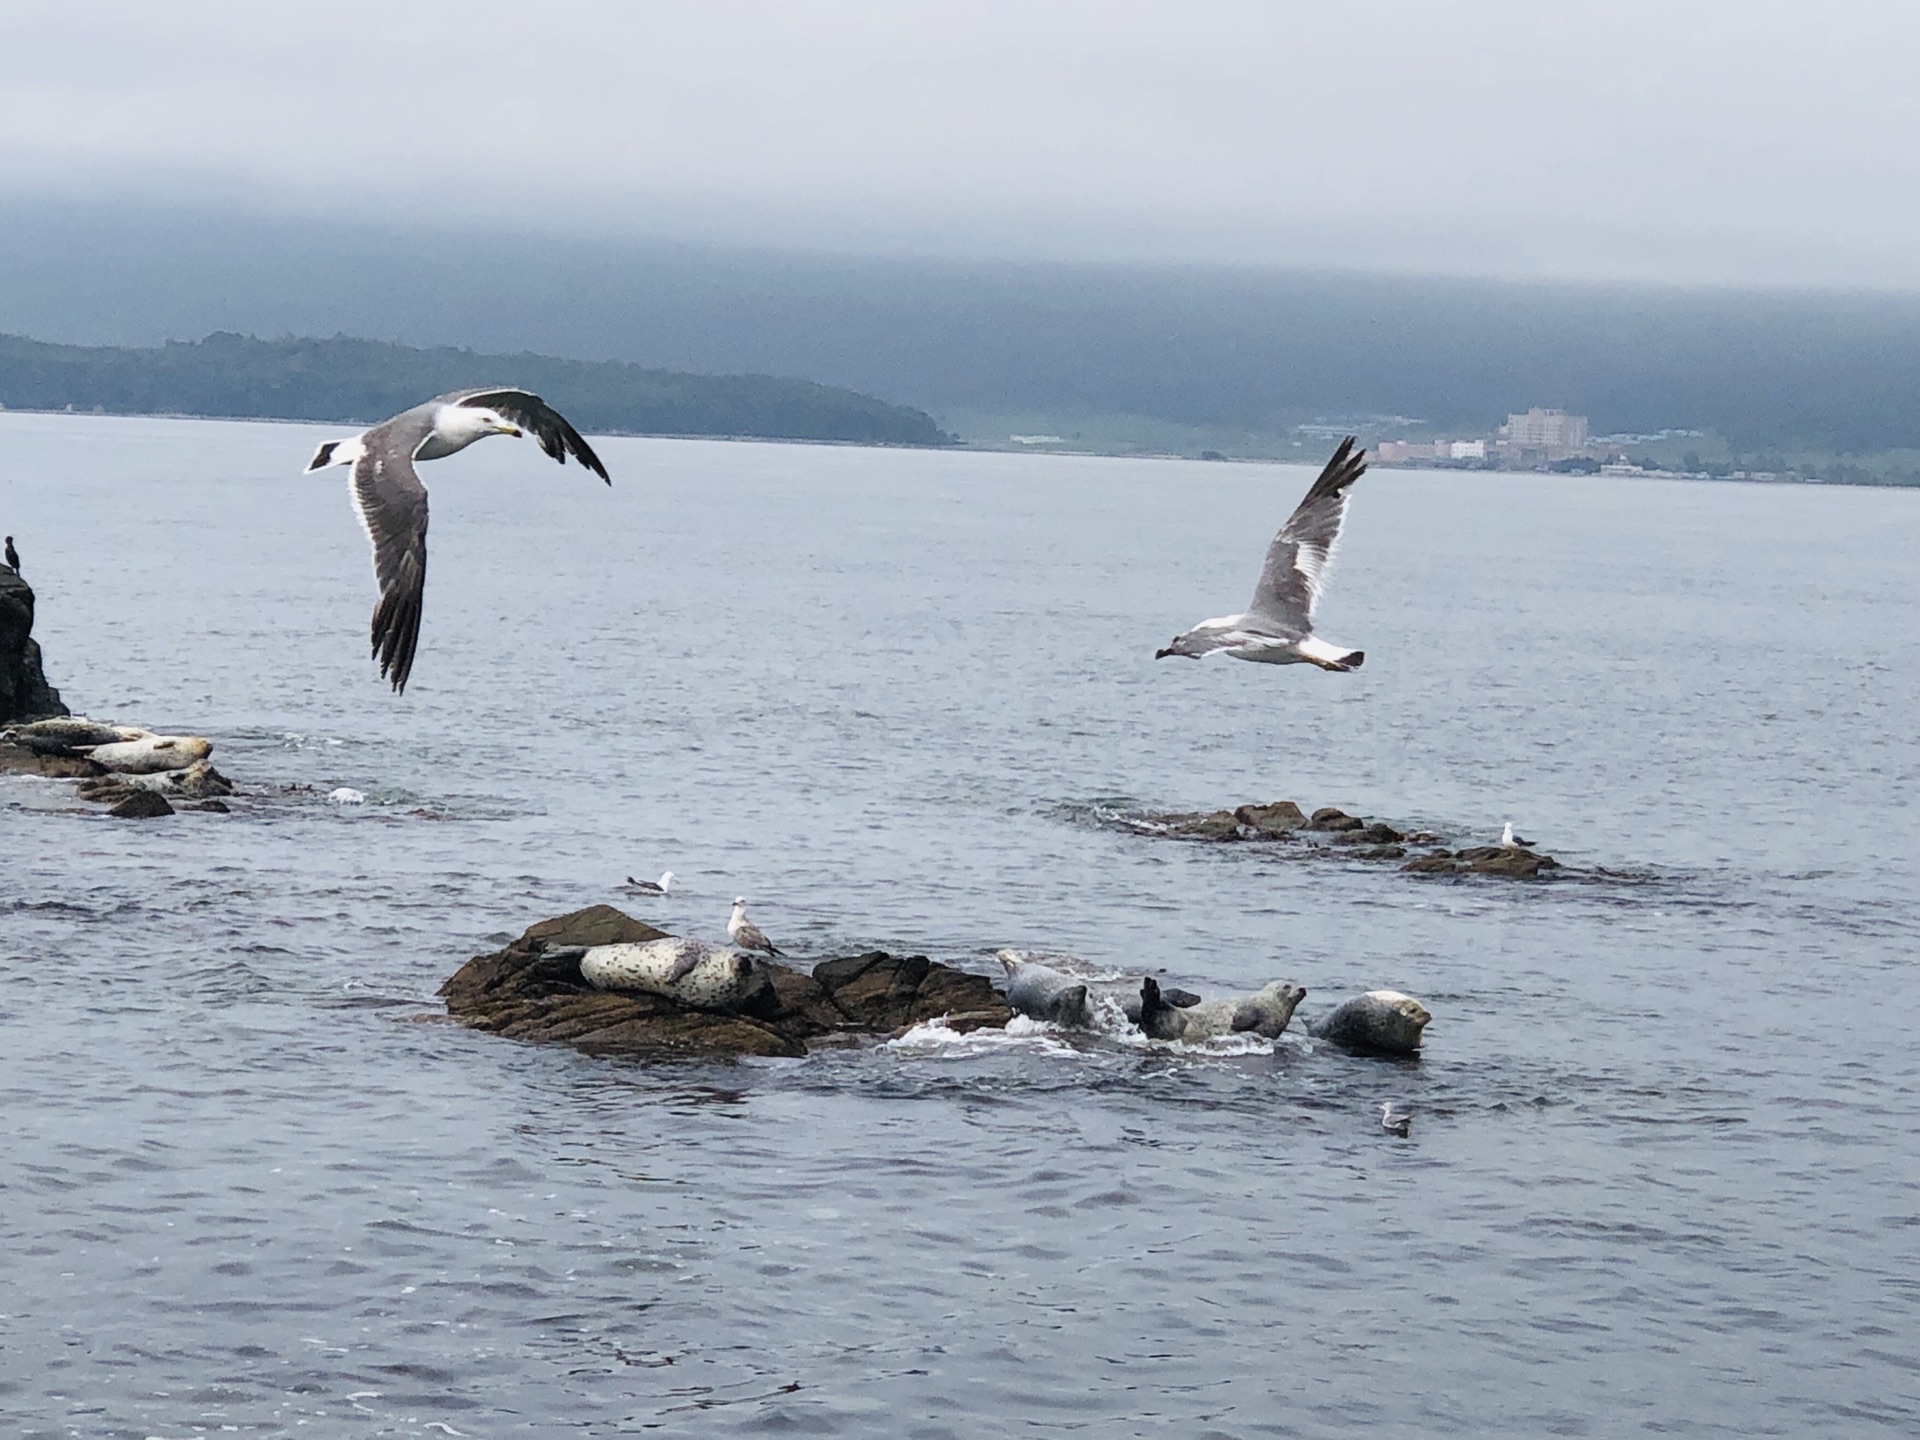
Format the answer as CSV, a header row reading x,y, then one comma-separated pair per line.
x,y
744,933
393,503
1278,626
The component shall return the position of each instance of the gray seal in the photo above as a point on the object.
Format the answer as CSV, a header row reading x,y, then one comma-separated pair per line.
x,y
1384,1022
692,972
1041,992
1264,1013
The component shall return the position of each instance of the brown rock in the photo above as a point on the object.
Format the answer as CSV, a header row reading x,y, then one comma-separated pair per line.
x,y
24,760
528,992
1329,818
212,807
1272,822
141,805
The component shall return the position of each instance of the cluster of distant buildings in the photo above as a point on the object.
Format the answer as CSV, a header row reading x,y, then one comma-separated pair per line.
x,y
1539,437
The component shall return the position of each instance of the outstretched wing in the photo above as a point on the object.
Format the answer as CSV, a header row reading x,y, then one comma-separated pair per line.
x,y
1302,553
393,510
546,424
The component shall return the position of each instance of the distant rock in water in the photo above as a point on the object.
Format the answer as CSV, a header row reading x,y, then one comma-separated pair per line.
x,y
533,990
1328,833
24,692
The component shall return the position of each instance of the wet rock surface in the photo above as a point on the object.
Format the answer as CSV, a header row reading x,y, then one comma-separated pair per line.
x,y
24,692
1332,833
527,992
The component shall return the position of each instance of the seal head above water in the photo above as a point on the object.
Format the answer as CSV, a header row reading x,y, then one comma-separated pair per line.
x,y
1382,1021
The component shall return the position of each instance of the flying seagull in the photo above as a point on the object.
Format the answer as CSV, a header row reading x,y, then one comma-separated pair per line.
x,y
1511,841
1395,1117
1278,626
393,503
744,933
651,887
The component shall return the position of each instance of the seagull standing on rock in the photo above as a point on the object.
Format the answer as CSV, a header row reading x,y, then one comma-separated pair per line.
x,y
1511,841
745,934
393,503
1277,628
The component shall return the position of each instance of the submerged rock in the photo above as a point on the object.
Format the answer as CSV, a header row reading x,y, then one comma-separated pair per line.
x,y
142,805
1514,863
533,990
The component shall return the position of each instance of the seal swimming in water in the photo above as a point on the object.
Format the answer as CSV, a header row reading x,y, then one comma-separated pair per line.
x,y
151,753
1383,1021
1265,1013
1038,989
692,972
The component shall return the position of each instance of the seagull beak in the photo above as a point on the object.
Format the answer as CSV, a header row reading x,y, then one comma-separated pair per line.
x,y
513,430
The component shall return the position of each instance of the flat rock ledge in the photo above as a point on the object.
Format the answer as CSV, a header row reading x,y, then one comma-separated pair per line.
x,y
525,993
1333,833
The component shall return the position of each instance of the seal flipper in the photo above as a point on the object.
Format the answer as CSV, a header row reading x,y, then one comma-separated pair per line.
x,y
683,965
1158,1020
1180,999
1246,1016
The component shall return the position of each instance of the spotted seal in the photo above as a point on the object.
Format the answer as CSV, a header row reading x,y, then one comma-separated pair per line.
x,y
75,731
151,753
1383,1021
708,977
1264,1013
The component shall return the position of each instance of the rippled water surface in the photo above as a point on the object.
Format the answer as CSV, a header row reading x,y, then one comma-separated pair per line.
x,y
1662,1175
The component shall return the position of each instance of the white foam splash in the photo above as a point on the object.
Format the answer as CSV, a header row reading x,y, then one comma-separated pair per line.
x,y
935,1039
346,795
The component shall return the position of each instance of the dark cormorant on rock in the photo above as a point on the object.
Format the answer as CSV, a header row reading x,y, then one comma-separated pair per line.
x,y
13,556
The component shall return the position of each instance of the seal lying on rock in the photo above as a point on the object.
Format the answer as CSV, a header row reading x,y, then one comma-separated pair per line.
x,y
151,753
1383,1021
70,730
1042,992
709,977
1265,1013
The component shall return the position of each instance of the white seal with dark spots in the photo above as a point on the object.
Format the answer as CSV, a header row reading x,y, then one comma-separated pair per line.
x,y
709,977
1264,1013
1381,1020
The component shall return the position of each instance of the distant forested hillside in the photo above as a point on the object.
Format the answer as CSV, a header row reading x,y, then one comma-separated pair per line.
x,y
1837,373
366,381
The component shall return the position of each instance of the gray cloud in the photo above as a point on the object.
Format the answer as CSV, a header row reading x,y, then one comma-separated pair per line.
x,y
1715,141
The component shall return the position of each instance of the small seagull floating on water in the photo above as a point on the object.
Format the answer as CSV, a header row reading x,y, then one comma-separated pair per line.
x,y
1277,628
1395,1117
651,887
1511,841
392,502
745,934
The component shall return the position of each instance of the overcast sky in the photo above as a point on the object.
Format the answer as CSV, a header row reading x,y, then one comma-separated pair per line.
x,y
1726,141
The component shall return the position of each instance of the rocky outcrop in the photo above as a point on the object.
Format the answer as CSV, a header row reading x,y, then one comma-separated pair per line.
x,y
532,990
1331,833
1514,862
24,692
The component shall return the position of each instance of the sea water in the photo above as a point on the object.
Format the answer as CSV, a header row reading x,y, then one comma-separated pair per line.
x,y
1662,1170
